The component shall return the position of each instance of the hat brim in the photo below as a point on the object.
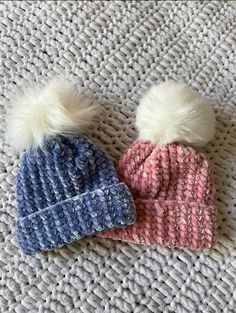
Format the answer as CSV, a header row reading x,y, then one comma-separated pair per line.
x,y
170,223
86,214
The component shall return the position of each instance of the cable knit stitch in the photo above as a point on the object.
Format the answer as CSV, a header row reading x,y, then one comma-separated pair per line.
x,y
67,191
173,191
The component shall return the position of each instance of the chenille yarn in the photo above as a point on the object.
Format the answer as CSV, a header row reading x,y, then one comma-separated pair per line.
x,y
66,191
173,191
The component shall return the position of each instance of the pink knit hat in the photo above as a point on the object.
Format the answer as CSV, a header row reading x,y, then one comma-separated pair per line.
x,y
171,183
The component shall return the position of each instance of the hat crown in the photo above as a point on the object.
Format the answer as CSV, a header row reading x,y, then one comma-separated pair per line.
x,y
65,168
170,172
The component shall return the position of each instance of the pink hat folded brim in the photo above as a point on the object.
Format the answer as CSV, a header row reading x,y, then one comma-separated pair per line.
x,y
170,223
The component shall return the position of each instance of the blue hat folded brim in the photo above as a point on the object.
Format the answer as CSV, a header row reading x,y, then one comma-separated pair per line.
x,y
72,219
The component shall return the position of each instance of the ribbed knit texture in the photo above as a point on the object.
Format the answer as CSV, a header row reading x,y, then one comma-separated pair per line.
x,y
66,191
116,50
173,191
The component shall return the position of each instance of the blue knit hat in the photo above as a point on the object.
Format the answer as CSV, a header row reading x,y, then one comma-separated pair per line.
x,y
67,189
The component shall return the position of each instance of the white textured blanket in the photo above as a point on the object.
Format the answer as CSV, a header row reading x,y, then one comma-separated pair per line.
x,y
114,51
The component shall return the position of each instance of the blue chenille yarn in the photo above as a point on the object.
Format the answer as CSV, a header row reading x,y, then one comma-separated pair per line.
x,y
66,191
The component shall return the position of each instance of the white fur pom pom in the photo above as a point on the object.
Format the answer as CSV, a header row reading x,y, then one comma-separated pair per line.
x,y
172,112
42,113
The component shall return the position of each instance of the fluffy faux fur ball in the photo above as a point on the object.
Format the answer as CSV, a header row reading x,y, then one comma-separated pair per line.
x,y
39,114
173,112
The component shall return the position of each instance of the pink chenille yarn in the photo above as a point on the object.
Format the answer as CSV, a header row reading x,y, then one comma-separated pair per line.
x,y
173,191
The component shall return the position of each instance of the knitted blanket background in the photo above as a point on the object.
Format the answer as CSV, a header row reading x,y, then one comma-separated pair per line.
x,y
114,51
